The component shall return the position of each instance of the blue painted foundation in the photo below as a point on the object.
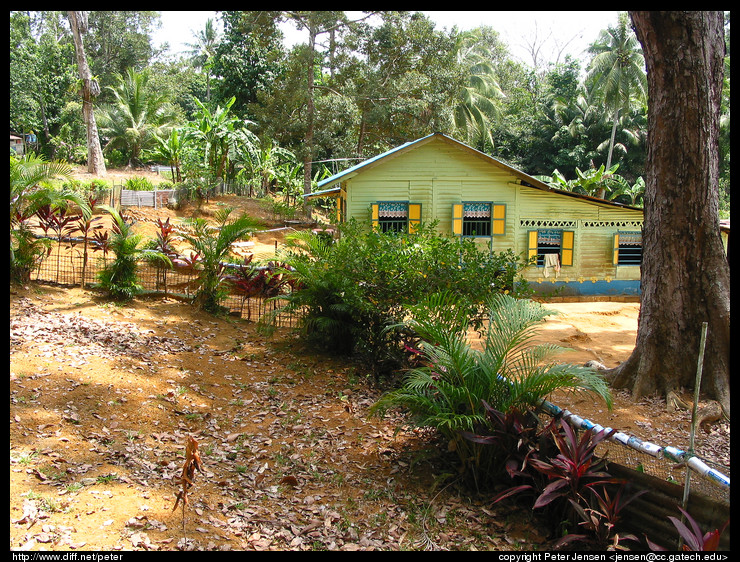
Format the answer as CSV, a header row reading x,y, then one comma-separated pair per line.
x,y
587,288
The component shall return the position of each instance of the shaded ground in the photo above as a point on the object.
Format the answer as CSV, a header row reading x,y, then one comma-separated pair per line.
x,y
103,397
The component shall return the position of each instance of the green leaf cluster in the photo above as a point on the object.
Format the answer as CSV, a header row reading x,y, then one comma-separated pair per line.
x,y
355,292
212,245
120,277
457,377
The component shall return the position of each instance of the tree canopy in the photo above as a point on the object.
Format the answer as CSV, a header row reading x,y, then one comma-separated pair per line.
x,y
353,88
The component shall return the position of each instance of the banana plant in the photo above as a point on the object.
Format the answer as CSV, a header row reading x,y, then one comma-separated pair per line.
x,y
634,192
170,150
597,181
214,130
558,181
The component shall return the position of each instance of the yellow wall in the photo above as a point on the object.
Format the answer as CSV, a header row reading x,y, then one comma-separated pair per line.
x,y
439,174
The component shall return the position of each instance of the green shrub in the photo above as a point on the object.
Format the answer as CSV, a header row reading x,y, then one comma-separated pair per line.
x,y
99,185
213,246
26,252
165,184
120,277
139,183
355,291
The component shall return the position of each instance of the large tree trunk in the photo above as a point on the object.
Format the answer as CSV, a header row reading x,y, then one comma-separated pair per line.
x,y
685,273
308,139
90,90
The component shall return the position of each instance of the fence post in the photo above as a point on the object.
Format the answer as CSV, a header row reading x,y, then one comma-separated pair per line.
x,y
695,405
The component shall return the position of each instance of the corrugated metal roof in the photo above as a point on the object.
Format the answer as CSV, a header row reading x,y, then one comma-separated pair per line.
x,y
351,170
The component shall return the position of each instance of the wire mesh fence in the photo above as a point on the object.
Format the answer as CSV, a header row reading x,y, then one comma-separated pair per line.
x,y
662,461
70,265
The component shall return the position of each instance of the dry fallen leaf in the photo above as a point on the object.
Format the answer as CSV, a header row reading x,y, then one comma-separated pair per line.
x,y
290,480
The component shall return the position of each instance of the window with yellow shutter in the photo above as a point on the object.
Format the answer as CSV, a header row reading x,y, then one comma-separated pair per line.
x,y
478,219
546,241
627,248
414,216
396,216
499,219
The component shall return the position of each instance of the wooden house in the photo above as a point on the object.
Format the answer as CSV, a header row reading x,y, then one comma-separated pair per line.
x,y
583,245
16,143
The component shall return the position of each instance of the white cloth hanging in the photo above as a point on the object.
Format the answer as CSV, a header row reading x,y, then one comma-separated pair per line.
x,y
552,261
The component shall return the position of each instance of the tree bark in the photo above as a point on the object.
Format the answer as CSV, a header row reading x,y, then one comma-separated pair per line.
x,y
308,139
685,272
90,90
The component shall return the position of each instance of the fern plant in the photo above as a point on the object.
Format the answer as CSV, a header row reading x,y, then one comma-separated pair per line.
x,y
509,372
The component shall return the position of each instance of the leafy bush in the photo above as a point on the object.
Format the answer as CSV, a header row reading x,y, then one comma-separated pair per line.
x,y
99,185
512,439
26,252
356,291
120,277
139,183
213,245
165,184
559,471
30,191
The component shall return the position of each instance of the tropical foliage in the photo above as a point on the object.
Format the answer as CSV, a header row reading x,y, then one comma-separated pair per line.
x,y
137,114
31,191
356,290
374,83
606,184
119,278
457,379
212,245
569,484
618,72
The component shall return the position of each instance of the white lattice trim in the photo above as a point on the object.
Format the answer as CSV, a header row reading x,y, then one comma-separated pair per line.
x,y
548,223
612,224
544,223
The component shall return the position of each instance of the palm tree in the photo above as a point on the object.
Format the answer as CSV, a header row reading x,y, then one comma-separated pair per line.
x,y
617,71
29,189
479,100
201,52
138,113
580,115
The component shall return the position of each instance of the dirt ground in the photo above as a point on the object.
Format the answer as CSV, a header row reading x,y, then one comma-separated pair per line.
x,y
104,396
